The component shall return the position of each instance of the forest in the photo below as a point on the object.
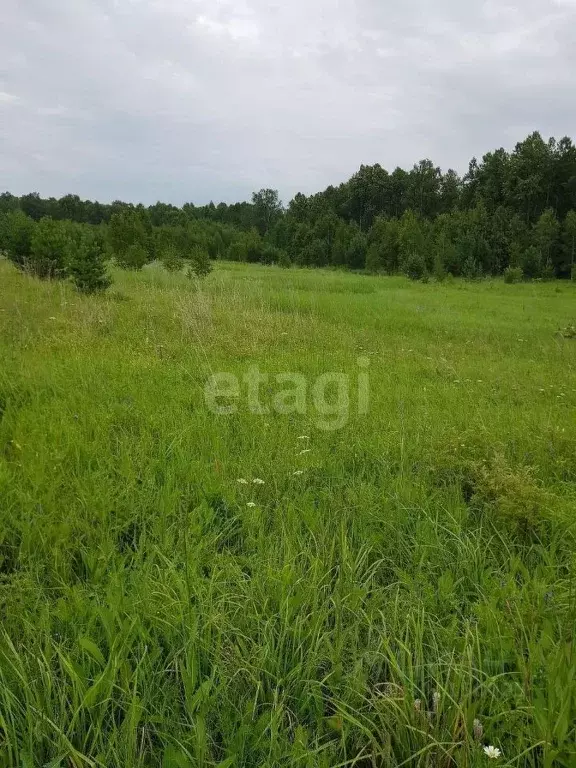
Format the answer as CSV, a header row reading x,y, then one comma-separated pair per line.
x,y
512,214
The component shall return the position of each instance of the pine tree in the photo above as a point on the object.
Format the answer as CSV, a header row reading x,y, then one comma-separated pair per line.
x,y
87,264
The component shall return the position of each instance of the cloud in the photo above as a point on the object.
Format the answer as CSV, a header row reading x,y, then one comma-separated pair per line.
x,y
8,98
196,100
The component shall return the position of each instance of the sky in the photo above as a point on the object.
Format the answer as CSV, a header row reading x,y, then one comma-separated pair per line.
x,y
199,100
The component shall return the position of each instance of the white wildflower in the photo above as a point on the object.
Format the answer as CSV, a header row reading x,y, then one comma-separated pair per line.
x,y
298,472
304,437
258,481
306,450
492,752
418,705
251,504
242,481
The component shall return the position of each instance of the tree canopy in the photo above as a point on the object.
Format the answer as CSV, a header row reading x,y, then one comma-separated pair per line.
x,y
511,208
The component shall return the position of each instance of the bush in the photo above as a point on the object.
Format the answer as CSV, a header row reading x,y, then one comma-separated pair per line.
x,y
16,230
87,264
134,257
415,268
200,264
531,262
548,271
49,249
172,259
471,270
513,275
247,246
284,260
511,496
270,254
356,252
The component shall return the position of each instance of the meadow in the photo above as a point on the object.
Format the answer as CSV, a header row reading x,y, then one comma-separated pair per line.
x,y
399,591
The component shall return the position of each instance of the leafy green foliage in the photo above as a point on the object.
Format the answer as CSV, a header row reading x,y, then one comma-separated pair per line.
x,y
513,275
200,264
569,236
284,260
247,246
507,203
134,257
531,262
267,209
16,231
356,252
415,266
172,259
511,496
49,249
129,239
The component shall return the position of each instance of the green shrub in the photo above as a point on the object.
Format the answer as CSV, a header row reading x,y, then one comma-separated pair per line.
x,y
172,259
510,495
284,260
471,269
87,264
247,246
415,268
134,257
513,275
531,262
16,230
200,264
49,250
271,254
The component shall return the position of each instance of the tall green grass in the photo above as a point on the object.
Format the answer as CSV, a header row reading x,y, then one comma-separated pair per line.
x,y
418,575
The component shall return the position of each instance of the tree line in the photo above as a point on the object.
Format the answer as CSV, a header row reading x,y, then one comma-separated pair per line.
x,y
512,213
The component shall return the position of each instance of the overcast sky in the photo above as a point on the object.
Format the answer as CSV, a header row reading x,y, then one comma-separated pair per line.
x,y
193,100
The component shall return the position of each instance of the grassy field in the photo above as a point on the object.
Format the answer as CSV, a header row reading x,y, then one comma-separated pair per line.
x,y
390,581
